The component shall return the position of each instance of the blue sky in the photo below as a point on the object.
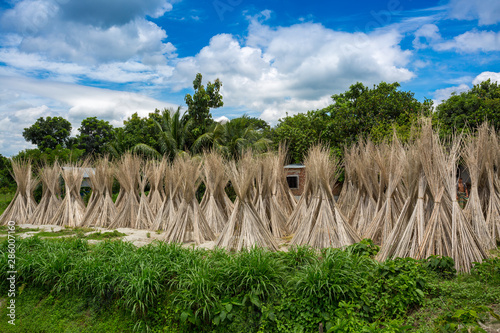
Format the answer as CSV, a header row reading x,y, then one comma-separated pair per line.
x,y
112,58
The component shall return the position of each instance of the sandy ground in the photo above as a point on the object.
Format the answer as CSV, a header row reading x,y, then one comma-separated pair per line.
x,y
135,236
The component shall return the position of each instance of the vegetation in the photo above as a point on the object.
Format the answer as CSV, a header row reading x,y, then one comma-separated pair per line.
x,y
168,288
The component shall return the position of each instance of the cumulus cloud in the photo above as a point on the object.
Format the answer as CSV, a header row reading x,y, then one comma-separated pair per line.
x,y
425,35
494,77
28,99
487,12
472,41
50,30
443,94
292,69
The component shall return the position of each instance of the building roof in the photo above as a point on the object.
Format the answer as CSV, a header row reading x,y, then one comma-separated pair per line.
x,y
295,166
86,171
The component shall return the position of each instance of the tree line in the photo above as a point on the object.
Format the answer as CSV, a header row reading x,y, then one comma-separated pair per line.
x,y
359,112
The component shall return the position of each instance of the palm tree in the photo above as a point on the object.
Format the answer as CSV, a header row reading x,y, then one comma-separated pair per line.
x,y
173,129
232,138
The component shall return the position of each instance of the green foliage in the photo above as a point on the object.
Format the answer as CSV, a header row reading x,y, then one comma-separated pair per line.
x,y
49,155
94,135
6,180
200,103
364,248
488,270
48,133
232,138
359,112
170,132
443,266
170,288
105,235
470,108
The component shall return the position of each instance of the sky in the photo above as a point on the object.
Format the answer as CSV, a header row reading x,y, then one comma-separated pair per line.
x,y
112,58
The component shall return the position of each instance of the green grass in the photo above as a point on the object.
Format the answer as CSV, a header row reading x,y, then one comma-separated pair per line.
x,y
105,235
169,288
37,311
67,231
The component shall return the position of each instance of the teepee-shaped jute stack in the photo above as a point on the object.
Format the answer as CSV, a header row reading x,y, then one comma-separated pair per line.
x,y
172,182
213,202
493,206
126,172
324,226
475,155
51,200
101,209
145,217
189,223
407,234
245,228
385,219
72,208
155,173
23,204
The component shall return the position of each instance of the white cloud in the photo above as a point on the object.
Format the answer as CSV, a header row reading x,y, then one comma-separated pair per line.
x,y
494,77
486,11
472,41
443,94
27,99
426,34
292,69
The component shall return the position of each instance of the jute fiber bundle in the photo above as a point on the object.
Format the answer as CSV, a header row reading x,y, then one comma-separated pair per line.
x,y
475,156
126,172
172,183
189,223
51,194
245,228
214,200
23,204
325,226
72,208
101,209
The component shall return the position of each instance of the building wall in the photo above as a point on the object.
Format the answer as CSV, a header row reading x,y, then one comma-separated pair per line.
x,y
301,172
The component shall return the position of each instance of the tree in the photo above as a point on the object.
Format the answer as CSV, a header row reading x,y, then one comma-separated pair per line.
x,y
6,180
172,130
48,133
233,137
200,103
470,108
94,135
49,155
359,112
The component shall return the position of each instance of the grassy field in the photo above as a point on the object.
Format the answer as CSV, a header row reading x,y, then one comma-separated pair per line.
x,y
69,285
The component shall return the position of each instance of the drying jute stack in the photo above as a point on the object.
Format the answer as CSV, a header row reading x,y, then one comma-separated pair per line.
x,y
126,172
101,209
493,205
189,223
214,200
475,156
145,217
324,225
172,182
23,204
245,228
72,208
154,171
51,194
391,166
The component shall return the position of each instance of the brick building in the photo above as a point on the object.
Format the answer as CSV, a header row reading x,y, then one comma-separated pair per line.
x,y
296,178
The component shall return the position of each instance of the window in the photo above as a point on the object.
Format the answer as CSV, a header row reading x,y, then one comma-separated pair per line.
x,y
293,182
